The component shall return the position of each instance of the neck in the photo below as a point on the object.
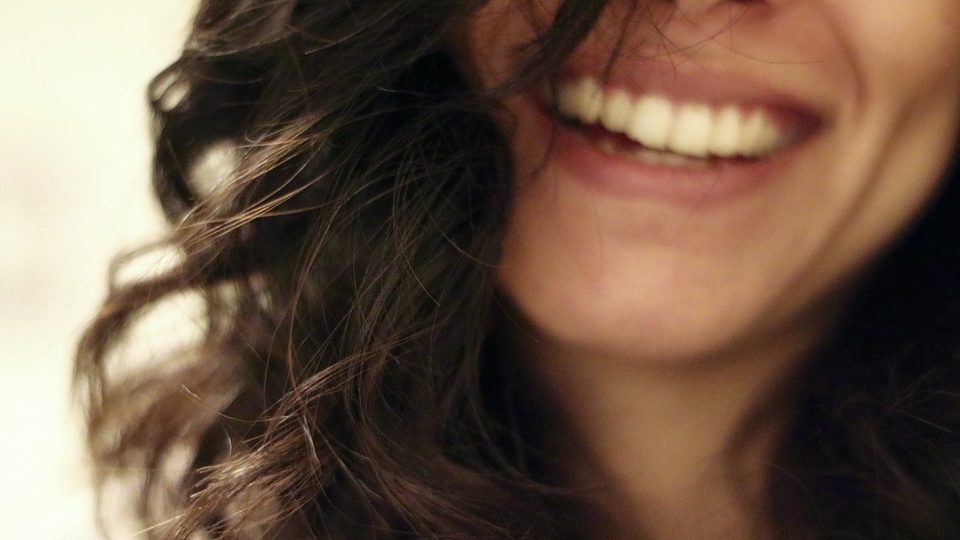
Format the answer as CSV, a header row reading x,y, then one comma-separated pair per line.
x,y
653,444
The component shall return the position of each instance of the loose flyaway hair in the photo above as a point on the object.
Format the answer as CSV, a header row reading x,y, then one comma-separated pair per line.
x,y
337,190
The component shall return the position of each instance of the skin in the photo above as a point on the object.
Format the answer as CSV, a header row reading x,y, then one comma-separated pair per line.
x,y
655,324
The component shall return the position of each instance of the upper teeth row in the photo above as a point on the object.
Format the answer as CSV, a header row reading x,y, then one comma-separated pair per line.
x,y
693,129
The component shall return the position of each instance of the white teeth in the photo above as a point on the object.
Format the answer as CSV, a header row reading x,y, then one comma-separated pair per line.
x,y
582,100
695,130
651,122
691,131
617,111
759,135
669,159
725,138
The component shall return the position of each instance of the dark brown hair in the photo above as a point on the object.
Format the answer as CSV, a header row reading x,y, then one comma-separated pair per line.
x,y
346,384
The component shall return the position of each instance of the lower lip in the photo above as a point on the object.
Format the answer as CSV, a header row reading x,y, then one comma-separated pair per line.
x,y
626,177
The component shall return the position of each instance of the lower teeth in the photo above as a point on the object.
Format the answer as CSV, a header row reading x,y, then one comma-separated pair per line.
x,y
649,156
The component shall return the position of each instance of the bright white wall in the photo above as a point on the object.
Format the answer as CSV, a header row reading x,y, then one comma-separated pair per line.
x,y
73,191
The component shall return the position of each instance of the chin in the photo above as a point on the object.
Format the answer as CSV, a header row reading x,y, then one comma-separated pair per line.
x,y
654,324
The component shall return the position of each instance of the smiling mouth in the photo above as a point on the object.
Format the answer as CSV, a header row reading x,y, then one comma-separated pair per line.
x,y
655,130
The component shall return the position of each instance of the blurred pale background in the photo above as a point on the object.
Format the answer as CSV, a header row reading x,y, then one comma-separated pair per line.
x,y
73,191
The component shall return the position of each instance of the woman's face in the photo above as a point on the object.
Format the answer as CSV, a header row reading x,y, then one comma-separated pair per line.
x,y
798,138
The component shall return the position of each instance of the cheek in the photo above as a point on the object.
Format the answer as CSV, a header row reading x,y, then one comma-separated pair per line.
x,y
901,52
906,61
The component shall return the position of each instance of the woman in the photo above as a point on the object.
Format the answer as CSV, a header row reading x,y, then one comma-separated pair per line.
x,y
558,269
